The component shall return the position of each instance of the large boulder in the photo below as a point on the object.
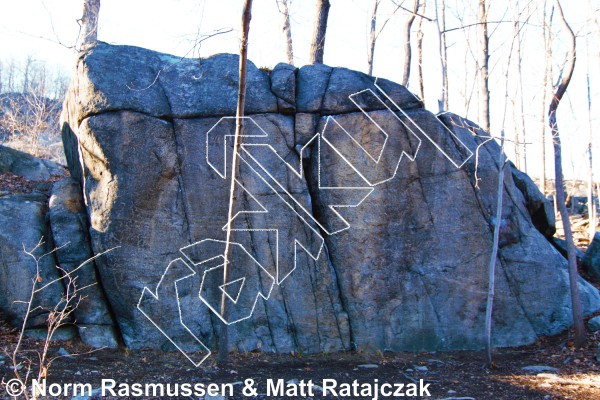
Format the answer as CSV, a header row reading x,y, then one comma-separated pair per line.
x,y
360,219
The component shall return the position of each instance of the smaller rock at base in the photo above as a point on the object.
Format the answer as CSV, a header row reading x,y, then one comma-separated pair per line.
x,y
62,333
368,366
26,165
591,260
561,246
63,352
539,368
98,336
594,324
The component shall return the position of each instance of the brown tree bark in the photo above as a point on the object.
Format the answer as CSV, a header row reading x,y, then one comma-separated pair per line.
x,y
241,102
559,91
89,23
287,30
317,47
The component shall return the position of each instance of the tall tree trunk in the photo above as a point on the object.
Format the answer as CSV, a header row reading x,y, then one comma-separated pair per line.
x,y
317,47
493,258
591,204
407,45
559,91
89,23
372,38
590,194
547,37
517,135
27,74
287,30
420,53
239,126
484,93
522,140
440,16
522,106
10,81
498,220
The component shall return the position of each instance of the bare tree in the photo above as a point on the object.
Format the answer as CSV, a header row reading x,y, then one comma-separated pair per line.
x,y
239,127
25,118
498,219
407,45
559,91
24,366
27,73
440,16
517,101
484,56
282,5
522,127
10,79
590,194
89,23
372,38
420,52
374,35
317,47
493,258
547,36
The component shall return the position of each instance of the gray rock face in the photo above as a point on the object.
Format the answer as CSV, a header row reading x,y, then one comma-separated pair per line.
x,y
55,215
374,234
538,206
68,221
591,259
23,222
283,85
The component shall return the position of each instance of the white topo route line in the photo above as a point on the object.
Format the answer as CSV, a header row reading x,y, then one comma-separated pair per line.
x,y
202,261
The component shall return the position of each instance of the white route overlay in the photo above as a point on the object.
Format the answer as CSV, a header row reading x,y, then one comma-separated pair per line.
x,y
204,260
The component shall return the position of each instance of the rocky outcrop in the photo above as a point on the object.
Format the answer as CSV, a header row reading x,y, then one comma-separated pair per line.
x,y
44,236
68,221
26,165
24,225
361,220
